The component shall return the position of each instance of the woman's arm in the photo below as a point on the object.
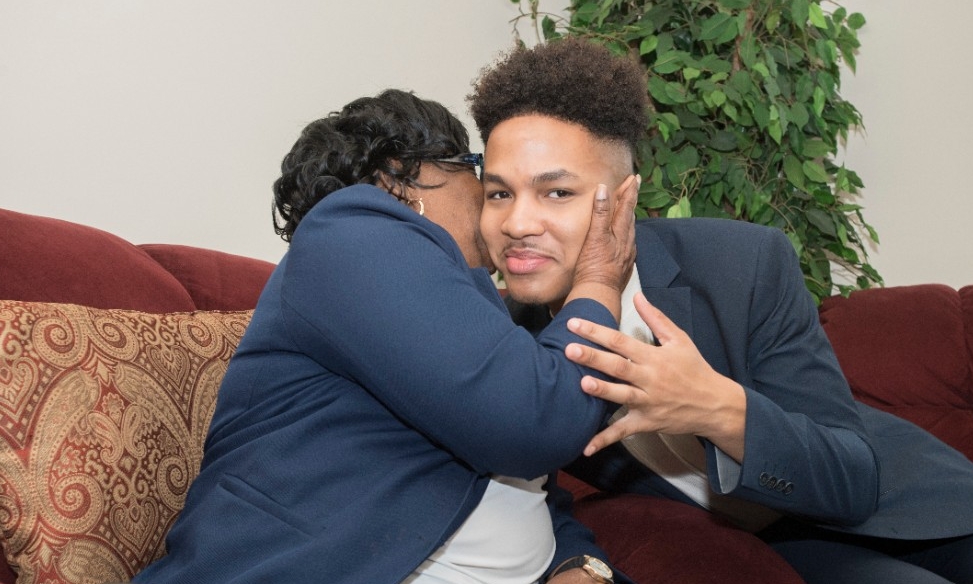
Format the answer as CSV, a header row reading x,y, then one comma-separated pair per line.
x,y
385,299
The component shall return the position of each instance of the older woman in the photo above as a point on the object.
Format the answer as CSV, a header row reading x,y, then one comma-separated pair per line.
x,y
383,420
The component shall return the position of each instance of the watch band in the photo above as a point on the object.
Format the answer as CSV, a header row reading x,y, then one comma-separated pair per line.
x,y
596,569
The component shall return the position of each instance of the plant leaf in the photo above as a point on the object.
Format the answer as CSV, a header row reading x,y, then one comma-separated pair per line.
x,y
669,62
815,148
772,21
714,26
723,141
680,209
653,198
676,92
815,171
799,115
648,44
799,12
794,171
775,130
856,21
657,89
819,99
816,16
822,221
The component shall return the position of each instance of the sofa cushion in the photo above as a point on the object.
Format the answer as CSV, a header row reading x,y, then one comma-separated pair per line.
x,y
658,540
103,414
215,280
904,350
49,260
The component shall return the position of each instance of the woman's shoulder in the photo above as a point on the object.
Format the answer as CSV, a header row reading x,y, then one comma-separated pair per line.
x,y
360,199
363,219
356,211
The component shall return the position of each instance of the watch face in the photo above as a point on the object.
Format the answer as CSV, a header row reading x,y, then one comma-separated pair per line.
x,y
599,568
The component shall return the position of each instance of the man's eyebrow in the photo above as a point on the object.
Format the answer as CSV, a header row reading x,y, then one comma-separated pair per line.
x,y
552,176
489,177
542,178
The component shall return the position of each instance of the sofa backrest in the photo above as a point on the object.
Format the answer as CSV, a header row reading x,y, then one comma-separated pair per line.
x,y
50,260
909,350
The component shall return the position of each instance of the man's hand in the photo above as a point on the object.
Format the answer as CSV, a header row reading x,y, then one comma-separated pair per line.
x,y
668,388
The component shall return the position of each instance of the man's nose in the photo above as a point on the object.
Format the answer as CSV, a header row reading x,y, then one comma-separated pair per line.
x,y
523,220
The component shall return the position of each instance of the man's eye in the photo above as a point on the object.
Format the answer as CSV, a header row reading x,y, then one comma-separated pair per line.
x,y
497,195
559,194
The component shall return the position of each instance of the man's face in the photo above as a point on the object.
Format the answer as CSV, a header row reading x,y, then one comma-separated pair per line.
x,y
539,181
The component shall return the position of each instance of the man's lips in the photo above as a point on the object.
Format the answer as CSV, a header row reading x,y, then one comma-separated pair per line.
x,y
521,262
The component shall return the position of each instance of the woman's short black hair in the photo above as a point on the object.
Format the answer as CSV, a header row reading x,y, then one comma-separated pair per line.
x,y
570,79
387,135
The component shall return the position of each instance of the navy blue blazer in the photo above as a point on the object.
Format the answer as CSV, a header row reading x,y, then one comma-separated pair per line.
x,y
378,386
738,291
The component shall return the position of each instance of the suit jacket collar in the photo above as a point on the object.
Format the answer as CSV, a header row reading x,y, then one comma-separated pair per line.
x,y
657,272
657,269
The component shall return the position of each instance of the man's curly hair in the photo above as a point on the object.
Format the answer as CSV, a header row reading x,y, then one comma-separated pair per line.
x,y
383,136
570,79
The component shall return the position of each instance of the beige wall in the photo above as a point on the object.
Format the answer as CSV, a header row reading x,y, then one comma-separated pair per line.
x,y
165,121
912,88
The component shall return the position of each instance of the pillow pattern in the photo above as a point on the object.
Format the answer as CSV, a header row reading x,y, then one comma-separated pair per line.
x,y
103,414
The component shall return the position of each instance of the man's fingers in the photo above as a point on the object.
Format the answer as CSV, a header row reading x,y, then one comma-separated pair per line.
x,y
607,437
664,329
611,339
618,393
608,363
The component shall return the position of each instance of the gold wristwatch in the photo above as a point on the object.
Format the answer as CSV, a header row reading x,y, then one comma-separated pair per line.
x,y
597,569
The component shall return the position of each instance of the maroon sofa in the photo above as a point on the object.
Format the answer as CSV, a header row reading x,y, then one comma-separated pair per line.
x,y
907,350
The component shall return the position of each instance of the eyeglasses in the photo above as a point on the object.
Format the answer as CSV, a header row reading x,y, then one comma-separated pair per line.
x,y
474,159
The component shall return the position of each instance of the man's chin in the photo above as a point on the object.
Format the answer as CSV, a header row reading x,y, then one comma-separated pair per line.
x,y
528,296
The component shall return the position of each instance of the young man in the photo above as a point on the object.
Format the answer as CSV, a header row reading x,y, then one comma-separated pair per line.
x,y
733,393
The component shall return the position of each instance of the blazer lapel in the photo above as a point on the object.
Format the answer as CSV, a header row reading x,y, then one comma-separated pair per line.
x,y
657,271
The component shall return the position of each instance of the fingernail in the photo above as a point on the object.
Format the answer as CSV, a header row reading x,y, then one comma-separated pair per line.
x,y
573,324
572,351
589,450
638,181
601,193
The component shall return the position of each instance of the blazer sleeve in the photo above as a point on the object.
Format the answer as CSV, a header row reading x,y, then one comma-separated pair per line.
x,y
389,303
806,449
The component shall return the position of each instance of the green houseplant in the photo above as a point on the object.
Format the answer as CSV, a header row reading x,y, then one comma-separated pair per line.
x,y
747,117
